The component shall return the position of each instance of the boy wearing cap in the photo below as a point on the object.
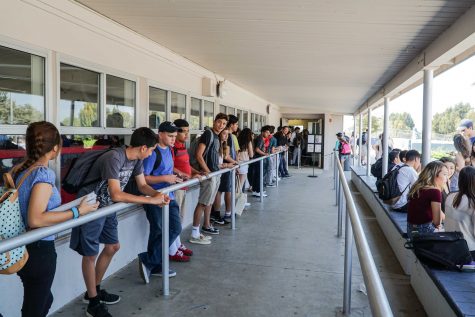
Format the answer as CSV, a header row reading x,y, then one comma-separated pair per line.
x,y
466,129
159,176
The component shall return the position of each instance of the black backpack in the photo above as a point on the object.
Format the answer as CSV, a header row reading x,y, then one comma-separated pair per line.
x,y
446,250
79,169
388,189
377,169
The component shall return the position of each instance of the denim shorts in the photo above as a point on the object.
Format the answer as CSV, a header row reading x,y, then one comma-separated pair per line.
x,y
85,239
422,228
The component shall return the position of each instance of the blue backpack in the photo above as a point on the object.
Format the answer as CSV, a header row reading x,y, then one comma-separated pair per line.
x,y
11,223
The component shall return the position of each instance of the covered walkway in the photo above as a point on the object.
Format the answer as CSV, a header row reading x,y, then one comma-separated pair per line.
x,y
283,260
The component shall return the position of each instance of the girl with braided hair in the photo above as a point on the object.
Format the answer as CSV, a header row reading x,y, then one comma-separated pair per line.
x,y
37,196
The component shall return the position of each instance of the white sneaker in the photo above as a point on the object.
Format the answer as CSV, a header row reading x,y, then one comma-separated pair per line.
x,y
200,240
255,194
271,185
247,204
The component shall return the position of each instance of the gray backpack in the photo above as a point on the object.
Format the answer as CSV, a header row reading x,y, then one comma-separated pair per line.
x,y
192,151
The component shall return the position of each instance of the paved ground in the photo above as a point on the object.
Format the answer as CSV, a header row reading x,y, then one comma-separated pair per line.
x,y
282,260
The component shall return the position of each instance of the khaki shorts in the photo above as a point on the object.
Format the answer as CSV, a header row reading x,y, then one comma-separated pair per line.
x,y
180,199
208,190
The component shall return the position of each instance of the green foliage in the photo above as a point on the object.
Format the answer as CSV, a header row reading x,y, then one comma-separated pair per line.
x,y
401,121
440,154
22,114
376,124
447,122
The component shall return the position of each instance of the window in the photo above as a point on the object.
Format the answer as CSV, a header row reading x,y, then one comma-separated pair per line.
x,y
222,109
157,107
195,115
120,102
208,113
22,87
230,110
79,97
263,121
239,115
178,106
12,151
245,120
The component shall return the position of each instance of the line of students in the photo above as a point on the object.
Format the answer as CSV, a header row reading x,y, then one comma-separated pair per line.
x,y
152,166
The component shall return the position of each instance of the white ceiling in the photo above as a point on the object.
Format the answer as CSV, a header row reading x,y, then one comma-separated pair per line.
x,y
315,54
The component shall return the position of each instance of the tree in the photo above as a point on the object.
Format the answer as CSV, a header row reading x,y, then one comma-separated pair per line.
x,y
447,122
401,121
376,124
88,115
22,114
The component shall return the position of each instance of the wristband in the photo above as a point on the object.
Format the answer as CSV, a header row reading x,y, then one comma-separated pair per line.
x,y
75,212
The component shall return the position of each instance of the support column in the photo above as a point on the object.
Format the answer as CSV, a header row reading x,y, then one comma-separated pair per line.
x,y
385,136
427,117
361,139
368,144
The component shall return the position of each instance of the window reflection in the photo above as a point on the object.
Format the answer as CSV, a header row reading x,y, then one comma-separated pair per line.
x,y
120,107
195,114
157,107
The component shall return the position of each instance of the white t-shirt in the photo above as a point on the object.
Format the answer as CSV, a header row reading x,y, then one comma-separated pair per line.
x,y
406,177
461,219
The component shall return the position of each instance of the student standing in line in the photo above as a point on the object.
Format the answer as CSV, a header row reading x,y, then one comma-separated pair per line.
x,y
282,143
226,178
259,151
246,153
179,252
209,144
37,194
158,177
424,213
114,168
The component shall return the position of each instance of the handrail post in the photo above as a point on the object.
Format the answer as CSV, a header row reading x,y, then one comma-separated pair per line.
x,y
299,156
277,159
334,170
337,182
165,246
348,264
341,207
287,159
233,199
261,179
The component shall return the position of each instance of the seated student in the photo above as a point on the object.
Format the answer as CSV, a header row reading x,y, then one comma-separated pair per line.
x,y
158,176
451,185
37,195
402,156
460,208
424,212
107,178
393,161
406,177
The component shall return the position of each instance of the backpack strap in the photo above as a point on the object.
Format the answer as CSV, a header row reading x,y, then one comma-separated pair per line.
x,y
211,140
158,158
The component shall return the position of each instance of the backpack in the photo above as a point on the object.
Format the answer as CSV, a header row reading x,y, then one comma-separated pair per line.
x,y
446,250
11,223
79,169
131,187
388,188
363,138
192,151
377,169
345,148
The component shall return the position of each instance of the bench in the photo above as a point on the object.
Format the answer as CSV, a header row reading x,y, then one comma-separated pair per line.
x,y
442,293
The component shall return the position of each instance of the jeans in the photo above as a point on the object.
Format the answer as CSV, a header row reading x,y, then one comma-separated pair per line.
x,y
37,277
422,228
283,166
153,257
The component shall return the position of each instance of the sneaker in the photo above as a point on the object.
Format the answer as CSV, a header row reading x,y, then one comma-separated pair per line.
x,y
217,220
227,219
210,230
255,194
171,273
99,310
272,185
105,297
286,176
202,236
179,257
144,272
200,240
185,250
247,205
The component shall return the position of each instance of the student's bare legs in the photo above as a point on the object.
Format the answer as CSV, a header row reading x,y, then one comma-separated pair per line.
x,y
104,260
207,221
198,214
227,201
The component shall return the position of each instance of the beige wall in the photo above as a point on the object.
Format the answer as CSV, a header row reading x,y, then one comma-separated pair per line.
x,y
72,33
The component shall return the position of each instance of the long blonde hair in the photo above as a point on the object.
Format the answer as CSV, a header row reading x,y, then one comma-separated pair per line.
x,y
426,178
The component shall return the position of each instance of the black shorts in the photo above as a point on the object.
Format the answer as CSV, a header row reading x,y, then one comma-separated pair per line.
x,y
225,185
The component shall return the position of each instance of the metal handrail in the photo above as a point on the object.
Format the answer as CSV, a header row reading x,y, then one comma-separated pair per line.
x,y
40,233
377,296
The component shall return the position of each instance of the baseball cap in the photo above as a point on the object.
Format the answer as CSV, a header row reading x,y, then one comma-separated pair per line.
x,y
465,124
167,126
339,134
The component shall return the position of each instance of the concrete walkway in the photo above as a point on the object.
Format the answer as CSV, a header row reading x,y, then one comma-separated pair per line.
x,y
283,260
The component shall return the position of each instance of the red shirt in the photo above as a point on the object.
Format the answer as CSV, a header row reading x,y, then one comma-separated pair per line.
x,y
419,210
181,158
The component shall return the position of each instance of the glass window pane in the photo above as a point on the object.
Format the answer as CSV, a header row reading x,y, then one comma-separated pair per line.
x,y
178,106
79,97
12,151
22,87
245,120
208,113
222,109
120,102
195,114
157,107
230,110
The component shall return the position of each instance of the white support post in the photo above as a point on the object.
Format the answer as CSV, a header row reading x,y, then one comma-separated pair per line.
x,y
368,145
385,136
360,157
427,117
